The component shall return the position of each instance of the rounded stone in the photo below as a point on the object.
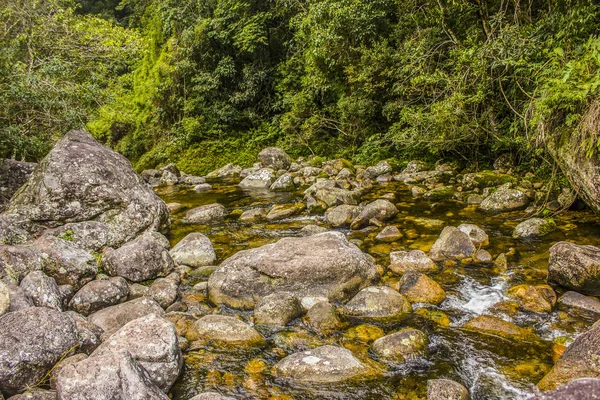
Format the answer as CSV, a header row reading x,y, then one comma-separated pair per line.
x,y
377,304
401,346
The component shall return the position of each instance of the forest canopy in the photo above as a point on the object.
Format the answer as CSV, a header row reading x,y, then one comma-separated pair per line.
x,y
207,82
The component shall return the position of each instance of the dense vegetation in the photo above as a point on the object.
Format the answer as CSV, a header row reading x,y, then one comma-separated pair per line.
x,y
205,82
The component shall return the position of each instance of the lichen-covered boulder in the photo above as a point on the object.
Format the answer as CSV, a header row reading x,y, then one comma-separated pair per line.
x,y
208,214
401,346
533,228
17,261
108,377
325,364
145,257
164,291
82,180
580,360
377,304
99,294
151,341
43,291
503,200
89,334
282,211
31,342
575,267
485,179
381,210
194,250
452,244
322,265
35,394
111,319
273,157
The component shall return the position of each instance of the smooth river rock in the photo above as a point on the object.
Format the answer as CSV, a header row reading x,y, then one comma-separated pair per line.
x,y
324,265
194,250
377,304
99,294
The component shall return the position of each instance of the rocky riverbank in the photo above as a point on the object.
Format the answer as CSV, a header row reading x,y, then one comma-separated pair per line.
x,y
302,279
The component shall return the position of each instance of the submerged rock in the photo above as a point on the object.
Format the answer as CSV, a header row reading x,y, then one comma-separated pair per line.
x,y
377,304
575,267
401,346
82,180
322,265
31,342
533,228
325,364
194,250
146,257
389,234
452,244
580,360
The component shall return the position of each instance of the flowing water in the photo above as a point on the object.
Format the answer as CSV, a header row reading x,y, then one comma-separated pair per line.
x,y
490,367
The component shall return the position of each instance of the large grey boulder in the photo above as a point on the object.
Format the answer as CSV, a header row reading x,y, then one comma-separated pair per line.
x,y
114,376
194,250
13,175
17,261
82,180
206,214
580,360
575,267
452,244
99,294
273,157
503,200
151,341
380,210
377,304
111,319
322,265
31,342
145,257
43,291
16,295
325,364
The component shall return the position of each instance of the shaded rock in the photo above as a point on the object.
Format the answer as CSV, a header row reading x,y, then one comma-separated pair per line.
x,y
419,288
99,294
43,291
381,210
440,193
260,179
111,376
414,260
275,158
111,319
575,267
137,290
227,171
580,306
285,183
277,309
495,326
82,180
63,363
389,234
383,167
18,299
222,330
377,304
445,389
325,364
538,298
323,317
482,257
194,250
282,211
342,215
253,215
485,179
164,291
503,200
35,394
168,179
208,214
90,236
13,175
534,227
477,235
578,361
37,339
145,257
415,166
89,334
16,262
65,262
151,341
452,244
322,265
401,346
